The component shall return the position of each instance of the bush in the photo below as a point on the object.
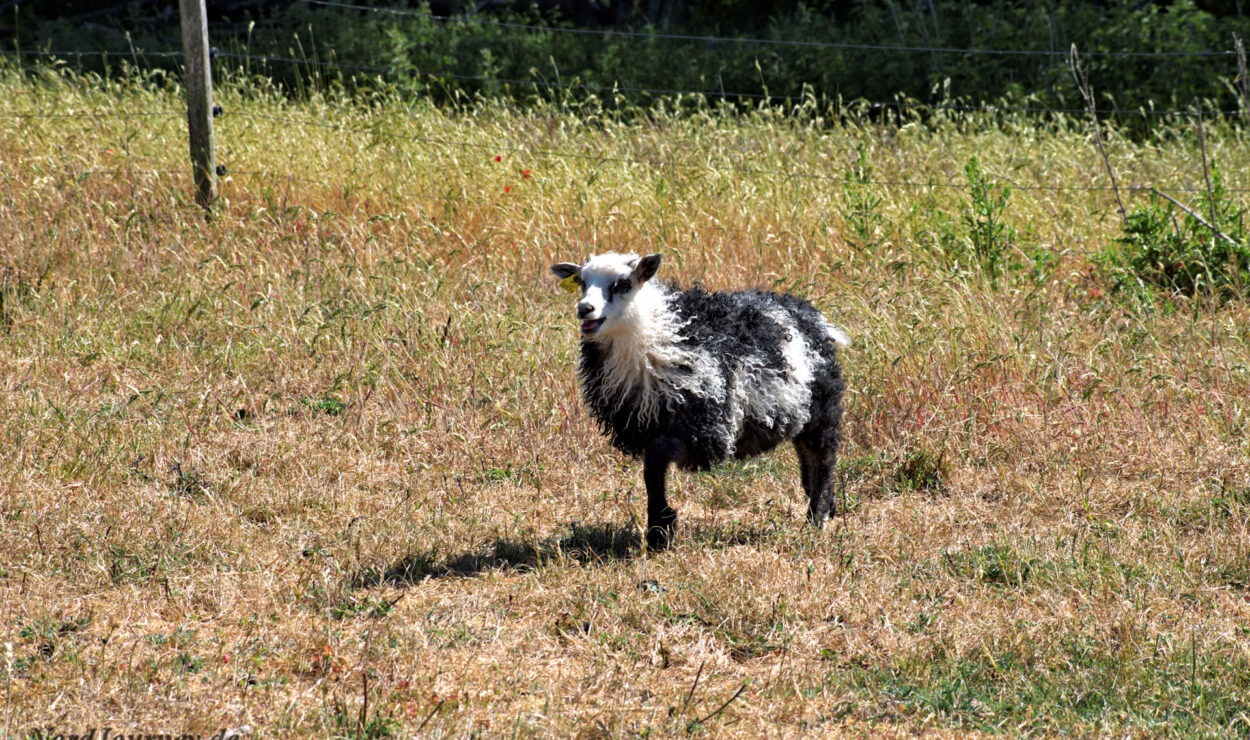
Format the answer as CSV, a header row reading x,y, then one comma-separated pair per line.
x,y
990,235
981,239
1168,248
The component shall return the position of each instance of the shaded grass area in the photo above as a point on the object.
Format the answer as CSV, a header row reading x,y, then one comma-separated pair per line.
x,y
319,466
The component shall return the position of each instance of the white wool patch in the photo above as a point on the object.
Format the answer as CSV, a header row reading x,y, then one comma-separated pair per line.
x,y
777,395
598,275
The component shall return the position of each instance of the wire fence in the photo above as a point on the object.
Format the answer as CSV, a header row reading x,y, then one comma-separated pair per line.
x,y
240,59
285,122
1227,63
1056,53
483,20
443,78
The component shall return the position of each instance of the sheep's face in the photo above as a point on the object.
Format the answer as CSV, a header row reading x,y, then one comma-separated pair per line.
x,y
608,283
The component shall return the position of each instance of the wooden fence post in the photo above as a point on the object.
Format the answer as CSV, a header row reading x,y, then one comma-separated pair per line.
x,y
199,83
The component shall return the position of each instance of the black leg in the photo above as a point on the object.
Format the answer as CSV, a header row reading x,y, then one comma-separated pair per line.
x,y
817,468
661,519
807,466
821,504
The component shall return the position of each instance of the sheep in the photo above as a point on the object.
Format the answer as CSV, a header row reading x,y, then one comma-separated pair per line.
x,y
693,378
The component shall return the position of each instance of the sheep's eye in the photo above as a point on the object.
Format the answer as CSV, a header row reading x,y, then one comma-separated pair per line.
x,y
622,286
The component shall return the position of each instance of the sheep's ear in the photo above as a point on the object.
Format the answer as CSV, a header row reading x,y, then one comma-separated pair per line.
x,y
647,267
565,270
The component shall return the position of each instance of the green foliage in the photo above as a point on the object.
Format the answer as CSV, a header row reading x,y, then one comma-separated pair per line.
x,y
348,721
328,405
1165,248
994,565
862,209
1128,677
921,470
370,605
982,238
529,56
990,235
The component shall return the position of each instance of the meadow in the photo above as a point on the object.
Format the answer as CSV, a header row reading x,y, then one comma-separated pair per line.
x,y
317,465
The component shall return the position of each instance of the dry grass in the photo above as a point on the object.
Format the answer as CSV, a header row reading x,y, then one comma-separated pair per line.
x,y
320,467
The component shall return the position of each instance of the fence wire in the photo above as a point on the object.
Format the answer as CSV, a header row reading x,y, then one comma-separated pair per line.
x,y
433,79
479,19
281,121
138,56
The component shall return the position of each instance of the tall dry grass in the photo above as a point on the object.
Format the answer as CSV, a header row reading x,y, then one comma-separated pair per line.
x,y
318,465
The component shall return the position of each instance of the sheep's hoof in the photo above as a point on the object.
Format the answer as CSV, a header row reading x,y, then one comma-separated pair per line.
x,y
660,534
658,538
818,513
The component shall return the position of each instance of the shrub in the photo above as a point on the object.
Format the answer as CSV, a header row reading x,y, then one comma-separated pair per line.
x,y
986,241
990,235
1168,248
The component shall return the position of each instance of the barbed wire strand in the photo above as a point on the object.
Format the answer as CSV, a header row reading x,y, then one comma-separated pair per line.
x,y
1143,110
92,53
718,94
92,114
600,158
1060,53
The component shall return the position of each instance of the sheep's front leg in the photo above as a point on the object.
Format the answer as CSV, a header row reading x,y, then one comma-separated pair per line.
x,y
661,519
817,468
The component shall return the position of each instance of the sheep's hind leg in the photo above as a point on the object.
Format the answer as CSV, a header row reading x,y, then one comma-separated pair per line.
x,y
817,468
661,519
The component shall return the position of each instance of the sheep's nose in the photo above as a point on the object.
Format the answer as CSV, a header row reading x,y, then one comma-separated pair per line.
x,y
584,309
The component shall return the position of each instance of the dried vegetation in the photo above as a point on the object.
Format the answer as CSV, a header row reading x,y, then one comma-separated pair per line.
x,y
319,466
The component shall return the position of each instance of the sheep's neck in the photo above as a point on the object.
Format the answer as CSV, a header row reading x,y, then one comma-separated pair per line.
x,y
647,343
645,363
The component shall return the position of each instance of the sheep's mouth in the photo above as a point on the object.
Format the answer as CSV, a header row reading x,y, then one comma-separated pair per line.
x,y
591,326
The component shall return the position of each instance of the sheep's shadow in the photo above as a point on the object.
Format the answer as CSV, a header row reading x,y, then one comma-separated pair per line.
x,y
590,545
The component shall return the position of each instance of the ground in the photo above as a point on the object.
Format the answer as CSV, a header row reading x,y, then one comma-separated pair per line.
x,y
318,465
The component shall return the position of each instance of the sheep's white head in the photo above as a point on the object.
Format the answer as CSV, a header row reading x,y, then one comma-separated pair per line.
x,y
609,284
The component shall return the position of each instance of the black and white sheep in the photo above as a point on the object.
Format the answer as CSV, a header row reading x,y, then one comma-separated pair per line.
x,y
693,378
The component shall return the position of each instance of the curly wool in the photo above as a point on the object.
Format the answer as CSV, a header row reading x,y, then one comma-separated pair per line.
x,y
730,374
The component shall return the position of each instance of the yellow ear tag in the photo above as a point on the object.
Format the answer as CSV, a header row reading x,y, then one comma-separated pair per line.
x,y
569,284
